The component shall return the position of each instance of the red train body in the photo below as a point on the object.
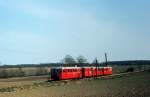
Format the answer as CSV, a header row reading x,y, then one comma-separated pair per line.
x,y
64,73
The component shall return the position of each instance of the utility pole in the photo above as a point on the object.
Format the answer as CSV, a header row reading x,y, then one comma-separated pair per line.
x,y
106,59
96,61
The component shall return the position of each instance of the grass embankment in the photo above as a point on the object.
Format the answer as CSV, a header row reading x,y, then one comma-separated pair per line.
x,y
131,85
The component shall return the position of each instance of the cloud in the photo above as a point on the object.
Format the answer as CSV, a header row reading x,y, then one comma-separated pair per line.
x,y
80,23
72,30
34,8
73,20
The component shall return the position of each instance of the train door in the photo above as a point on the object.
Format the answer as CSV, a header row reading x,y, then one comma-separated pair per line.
x,y
92,71
83,72
55,74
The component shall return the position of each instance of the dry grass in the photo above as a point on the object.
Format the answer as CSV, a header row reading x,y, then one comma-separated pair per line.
x,y
135,85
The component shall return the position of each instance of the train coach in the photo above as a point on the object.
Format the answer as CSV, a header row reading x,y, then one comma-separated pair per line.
x,y
64,73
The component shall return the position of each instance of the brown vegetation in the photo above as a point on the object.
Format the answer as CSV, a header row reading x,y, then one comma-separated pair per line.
x,y
132,85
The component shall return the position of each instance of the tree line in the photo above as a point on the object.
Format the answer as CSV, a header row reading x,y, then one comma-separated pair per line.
x,y
68,59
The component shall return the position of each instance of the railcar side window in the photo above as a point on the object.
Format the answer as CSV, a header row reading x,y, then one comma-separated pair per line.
x,y
64,70
69,70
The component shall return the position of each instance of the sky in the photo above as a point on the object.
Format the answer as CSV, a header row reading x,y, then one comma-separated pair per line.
x,y
43,31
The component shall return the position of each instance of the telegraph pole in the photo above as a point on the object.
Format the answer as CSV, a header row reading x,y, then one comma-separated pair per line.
x,y
96,61
106,59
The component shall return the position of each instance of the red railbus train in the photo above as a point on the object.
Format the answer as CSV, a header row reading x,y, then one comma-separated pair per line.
x,y
64,73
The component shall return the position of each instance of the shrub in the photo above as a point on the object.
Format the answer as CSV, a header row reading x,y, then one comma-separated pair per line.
x,y
130,69
41,71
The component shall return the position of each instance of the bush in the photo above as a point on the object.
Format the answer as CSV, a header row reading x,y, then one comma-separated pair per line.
x,y
5,73
41,71
22,72
130,69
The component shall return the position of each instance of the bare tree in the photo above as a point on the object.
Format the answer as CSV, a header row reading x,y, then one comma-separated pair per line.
x,y
68,60
81,59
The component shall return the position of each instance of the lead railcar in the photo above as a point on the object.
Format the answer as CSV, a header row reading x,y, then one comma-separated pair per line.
x,y
63,73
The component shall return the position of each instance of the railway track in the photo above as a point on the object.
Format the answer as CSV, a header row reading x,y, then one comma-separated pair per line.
x,y
45,78
119,75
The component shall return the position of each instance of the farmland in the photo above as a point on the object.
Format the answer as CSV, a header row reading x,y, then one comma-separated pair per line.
x,y
133,84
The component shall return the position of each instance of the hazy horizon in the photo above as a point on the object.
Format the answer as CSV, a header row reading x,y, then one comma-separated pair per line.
x,y
43,31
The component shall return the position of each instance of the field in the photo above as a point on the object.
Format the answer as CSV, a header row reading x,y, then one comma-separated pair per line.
x,y
129,85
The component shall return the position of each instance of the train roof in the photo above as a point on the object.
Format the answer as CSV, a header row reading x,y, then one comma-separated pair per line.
x,y
107,67
76,67
66,67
